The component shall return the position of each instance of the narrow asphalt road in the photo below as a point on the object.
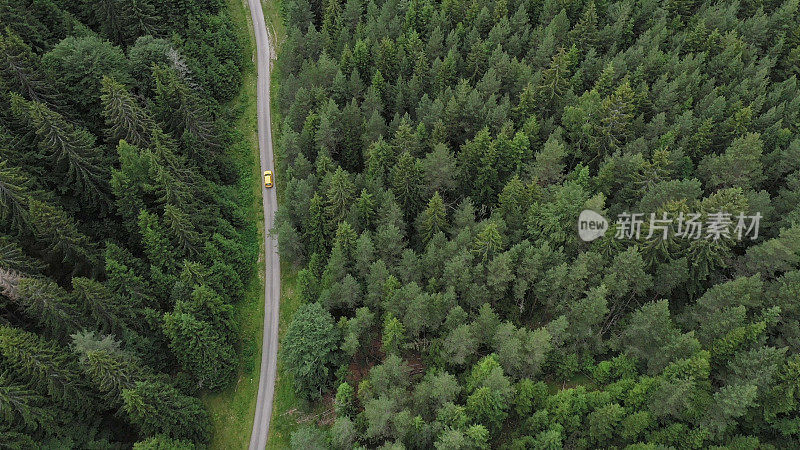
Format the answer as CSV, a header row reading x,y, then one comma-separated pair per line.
x,y
272,287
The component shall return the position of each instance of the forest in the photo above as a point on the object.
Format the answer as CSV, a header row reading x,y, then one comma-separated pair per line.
x,y
124,238
434,159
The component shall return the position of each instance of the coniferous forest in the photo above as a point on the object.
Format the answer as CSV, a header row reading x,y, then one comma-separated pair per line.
x,y
123,237
435,157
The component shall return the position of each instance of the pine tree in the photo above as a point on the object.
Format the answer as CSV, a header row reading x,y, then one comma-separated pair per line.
x,y
339,197
126,120
183,231
201,350
406,179
22,407
71,150
433,219
49,305
14,187
159,408
59,232
21,71
46,368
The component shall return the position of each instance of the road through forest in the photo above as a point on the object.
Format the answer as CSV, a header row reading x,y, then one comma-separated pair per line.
x,y
272,285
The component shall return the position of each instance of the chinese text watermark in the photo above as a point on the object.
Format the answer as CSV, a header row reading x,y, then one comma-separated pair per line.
x,y
711,226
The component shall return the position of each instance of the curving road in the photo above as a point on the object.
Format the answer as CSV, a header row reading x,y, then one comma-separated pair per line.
x,y
272,288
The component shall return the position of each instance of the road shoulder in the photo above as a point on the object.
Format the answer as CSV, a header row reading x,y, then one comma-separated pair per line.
x,y
232,408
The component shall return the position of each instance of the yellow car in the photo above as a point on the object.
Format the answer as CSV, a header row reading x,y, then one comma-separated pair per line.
x,y
267,178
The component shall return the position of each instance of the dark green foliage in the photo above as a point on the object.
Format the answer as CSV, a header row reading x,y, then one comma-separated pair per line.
x,y
23,407
310,345
49,305
81,63
159,408
71,151
200,349
439,155
22,72
64,242
122,21
108,368
124,117
123,239
46,367
435,157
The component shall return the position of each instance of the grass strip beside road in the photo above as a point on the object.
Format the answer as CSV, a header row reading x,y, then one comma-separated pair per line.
x,y
232,408
285,403
286,406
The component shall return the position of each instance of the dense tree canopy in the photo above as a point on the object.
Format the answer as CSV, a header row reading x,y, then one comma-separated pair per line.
x,y
436,158
122,240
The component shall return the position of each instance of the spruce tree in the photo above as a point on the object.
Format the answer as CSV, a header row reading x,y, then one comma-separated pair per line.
x,y
21,71
14,196
49,305
71,150
23,408
64,241
433,219
158,408
124,117
109,312
110,369
340,195
201,349
156,244
47,368
406,181
184,234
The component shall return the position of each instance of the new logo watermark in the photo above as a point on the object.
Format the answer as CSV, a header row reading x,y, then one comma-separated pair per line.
x,y
712,226
591,225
